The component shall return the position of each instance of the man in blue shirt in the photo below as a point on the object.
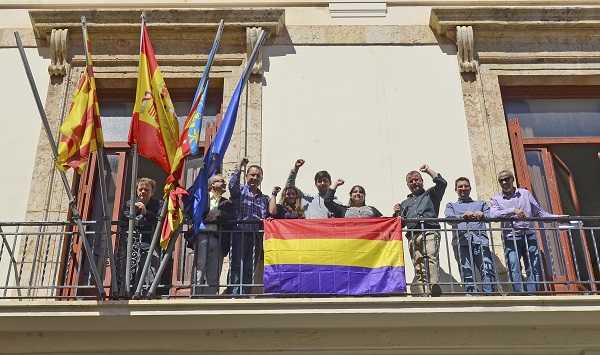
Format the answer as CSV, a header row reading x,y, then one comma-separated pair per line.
x,y
470,241
250,205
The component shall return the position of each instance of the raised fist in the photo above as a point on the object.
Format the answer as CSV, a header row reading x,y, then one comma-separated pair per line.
x,y
276,190
424,168
298,163
339,182
243,162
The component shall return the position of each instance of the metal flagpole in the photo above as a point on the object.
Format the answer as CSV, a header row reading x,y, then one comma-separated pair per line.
x,y
134,169
106,216
247,71
153,244
157,229
163,211
75,213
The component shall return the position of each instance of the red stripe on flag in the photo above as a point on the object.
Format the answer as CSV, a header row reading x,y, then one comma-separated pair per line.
x,y
388,228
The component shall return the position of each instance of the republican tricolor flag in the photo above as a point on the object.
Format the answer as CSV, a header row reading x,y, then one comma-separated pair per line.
x,y
81,130
334,256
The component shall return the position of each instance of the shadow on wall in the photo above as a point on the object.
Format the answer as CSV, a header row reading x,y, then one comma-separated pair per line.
x,y
280,47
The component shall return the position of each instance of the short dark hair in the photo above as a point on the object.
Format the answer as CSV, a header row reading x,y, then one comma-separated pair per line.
x,y
320,175
413,172
255,167
462,178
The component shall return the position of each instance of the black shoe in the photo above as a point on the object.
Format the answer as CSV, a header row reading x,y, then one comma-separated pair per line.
x,y
436,290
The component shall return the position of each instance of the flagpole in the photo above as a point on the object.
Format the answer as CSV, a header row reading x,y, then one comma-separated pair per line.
x,y
74,212
159,223
198,95
102,179
133,195
247,71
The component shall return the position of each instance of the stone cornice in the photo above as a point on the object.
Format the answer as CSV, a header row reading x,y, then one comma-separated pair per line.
x,y
444,20
472,311
395,325
107,22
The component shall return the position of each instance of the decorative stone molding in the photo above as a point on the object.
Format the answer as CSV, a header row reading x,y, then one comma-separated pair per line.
x,y
179,35
520,34
357,8
466,49
251,38
58,52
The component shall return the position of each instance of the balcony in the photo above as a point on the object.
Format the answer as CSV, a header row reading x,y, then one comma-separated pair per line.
x,y
50,303
48,260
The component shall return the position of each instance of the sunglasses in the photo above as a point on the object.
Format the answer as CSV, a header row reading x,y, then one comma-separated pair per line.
x,y
507,179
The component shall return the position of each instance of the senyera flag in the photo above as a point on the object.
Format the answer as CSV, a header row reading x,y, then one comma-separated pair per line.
x,y
154,128
81,131
334,256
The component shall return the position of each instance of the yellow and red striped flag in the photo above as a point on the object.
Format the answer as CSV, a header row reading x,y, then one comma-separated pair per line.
x,y
155,130
81,131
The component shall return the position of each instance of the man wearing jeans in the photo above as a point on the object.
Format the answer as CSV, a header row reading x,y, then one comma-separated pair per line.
x,y
519,237
470,241
423,238
250,205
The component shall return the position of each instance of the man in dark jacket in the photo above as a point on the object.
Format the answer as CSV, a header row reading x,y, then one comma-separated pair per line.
x,y
212,244
423,237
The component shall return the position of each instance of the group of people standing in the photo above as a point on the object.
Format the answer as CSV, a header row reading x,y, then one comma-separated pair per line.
x,y
247,206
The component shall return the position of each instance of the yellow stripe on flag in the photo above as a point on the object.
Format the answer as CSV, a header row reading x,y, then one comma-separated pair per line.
x,y
341,252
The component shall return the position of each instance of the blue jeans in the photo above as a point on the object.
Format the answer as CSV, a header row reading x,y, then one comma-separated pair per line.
x,y
246,252
481,256
526,248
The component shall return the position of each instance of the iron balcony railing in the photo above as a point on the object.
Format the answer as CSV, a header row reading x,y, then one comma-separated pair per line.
x,y
500,257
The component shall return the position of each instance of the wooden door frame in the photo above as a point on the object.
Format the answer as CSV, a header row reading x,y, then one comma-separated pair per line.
x,y
519,145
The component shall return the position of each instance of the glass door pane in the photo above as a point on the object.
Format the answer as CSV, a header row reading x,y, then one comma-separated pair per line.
x,y
555,262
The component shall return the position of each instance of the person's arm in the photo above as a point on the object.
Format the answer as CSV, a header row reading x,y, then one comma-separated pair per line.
x,y
496,211
450,212
273,201
376,212
291,180
536,209
440,183
335,208
234,181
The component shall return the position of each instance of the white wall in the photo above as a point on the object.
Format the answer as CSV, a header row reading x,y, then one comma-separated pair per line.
x,y
367,114
20,127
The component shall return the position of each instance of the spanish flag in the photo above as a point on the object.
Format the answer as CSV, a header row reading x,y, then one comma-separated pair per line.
x,y
154,126
81,131
155,130
344,256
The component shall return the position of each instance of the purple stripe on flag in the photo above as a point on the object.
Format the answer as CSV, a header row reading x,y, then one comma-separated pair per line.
x,y
332,279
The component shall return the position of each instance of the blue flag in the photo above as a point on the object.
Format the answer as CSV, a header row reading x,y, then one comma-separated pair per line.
x,y
197,200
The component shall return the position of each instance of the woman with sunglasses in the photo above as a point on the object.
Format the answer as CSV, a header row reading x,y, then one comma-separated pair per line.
x,y
356,205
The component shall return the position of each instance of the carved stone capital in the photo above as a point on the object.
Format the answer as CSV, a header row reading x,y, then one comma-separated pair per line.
x,y
58,52
466,49
251,38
